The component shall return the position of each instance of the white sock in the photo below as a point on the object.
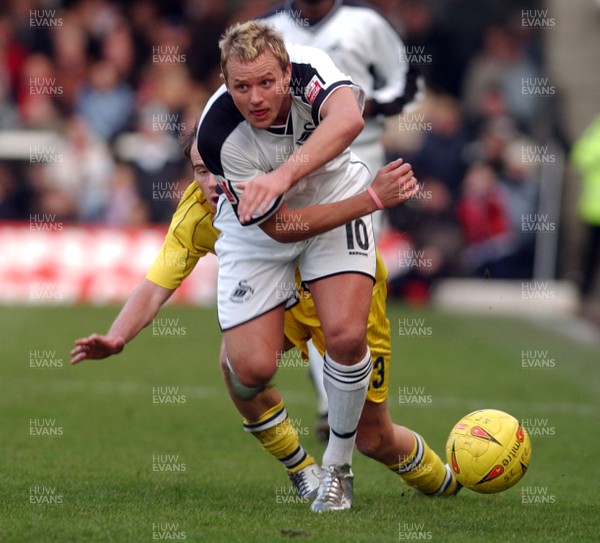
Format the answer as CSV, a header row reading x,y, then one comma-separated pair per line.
x,y
346,388
316,362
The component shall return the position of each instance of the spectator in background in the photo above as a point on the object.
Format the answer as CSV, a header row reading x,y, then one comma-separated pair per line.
x,y
483,215
12,59
460,23
429,41
155,156
70,58
503,65
142,17
430,245
586,158
490,142
167,92
47,200
106,101
520,181
208,21
513,157
39,94
118,48
10,206
9,118
124,206
491,111
83,170
34,38
98,18
440,154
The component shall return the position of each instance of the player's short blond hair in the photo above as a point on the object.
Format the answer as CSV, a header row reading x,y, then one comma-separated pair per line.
x,y
247,41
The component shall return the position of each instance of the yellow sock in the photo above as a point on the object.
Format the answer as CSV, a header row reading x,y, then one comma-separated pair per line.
x,y
279,438
424,470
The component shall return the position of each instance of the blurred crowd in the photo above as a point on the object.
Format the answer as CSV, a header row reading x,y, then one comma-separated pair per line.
x,y
117,83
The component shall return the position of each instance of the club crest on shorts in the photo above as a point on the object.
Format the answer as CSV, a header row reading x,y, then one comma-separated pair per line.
x,y
241,293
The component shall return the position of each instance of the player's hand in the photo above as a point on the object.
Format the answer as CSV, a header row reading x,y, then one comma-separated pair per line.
x,y
259,194
96,347
395,183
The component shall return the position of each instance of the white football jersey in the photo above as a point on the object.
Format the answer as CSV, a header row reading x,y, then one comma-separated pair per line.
x,y
235,152
362,44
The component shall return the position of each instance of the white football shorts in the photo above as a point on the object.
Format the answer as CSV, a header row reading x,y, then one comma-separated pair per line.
x,y
257,274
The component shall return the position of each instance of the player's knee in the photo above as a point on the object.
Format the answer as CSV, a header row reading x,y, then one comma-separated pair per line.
x,y
240,390
254,375
346,341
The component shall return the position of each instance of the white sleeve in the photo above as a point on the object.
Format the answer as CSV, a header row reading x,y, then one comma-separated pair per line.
x,y
315,77
399,81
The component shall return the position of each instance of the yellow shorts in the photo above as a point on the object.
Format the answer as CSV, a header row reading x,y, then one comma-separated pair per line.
x,y
302,324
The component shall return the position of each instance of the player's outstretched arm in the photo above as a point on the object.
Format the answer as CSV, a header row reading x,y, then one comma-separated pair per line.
x,y
341,122
139,310
394,184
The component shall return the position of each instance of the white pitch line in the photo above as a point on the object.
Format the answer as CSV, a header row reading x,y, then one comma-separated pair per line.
x,y
443,403
579,330
106,387
302,397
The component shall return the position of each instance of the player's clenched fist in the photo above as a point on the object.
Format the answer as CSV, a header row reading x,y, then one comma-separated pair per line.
x,y
395,183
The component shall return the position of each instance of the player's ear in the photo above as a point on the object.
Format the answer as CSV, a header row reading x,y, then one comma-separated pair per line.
x,y
223,79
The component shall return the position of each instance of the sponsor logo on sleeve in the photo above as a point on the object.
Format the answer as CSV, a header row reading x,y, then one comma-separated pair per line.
x,y
313,89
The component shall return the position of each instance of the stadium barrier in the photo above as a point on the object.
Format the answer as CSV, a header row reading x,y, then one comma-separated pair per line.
x,y
515,298
56,263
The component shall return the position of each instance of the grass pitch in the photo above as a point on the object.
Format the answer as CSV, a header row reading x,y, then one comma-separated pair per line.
x,y
146,446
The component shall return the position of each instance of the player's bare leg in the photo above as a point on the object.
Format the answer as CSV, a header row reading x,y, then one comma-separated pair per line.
x,y
254,347
403,452
379,438
315,366
265,417
342,303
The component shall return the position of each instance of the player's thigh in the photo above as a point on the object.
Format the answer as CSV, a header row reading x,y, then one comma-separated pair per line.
x,y
342,303
342,300
339,267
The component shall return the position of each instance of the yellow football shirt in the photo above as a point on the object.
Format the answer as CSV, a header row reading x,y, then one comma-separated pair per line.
x,y
191,236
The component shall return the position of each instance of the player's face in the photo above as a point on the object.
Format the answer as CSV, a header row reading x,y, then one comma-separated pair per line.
x,y
260,90
204,178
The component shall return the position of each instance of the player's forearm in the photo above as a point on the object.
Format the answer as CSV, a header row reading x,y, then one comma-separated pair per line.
x,y
289,225
394,183
139,310
338,129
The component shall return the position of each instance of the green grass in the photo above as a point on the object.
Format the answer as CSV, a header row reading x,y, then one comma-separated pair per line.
x,y
99,468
